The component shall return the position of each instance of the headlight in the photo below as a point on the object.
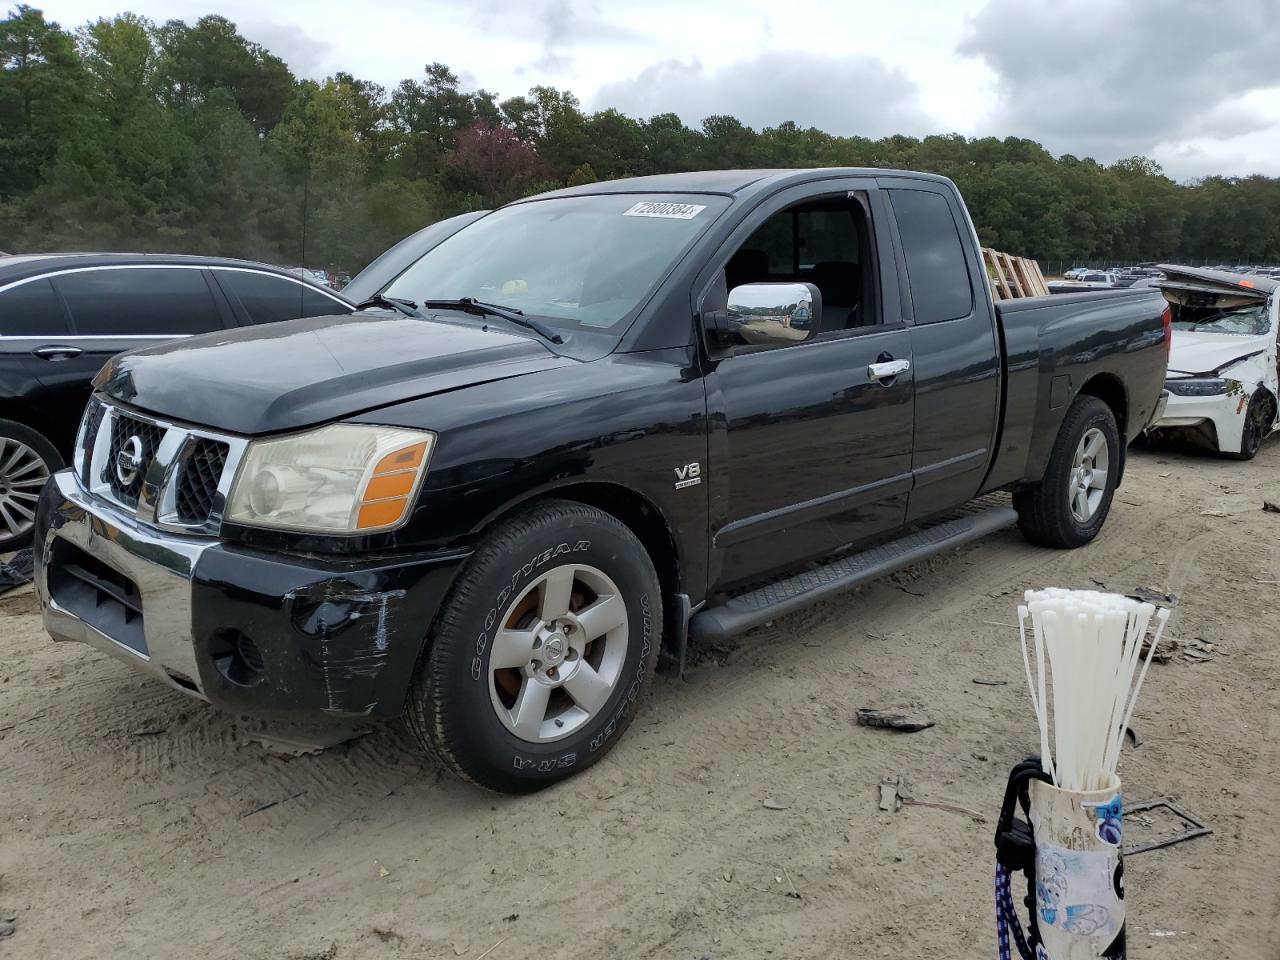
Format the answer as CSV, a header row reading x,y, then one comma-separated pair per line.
x,y
1197,387
340,479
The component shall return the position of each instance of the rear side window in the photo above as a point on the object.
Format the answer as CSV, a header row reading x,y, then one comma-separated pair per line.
x,y
268,299
152,301
936,267
32,310
316,304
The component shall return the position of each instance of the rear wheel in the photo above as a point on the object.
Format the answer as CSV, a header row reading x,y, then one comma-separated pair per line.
x,y
1069,506
1257,424
541,651
27,459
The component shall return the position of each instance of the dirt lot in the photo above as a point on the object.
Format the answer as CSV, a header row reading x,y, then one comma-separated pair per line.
x,y
139,823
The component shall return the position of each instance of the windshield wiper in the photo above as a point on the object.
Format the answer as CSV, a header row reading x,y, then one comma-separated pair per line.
x,y
407,307
510,314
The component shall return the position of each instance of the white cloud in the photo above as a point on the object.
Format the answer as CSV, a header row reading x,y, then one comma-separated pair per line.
x,y
857,94
1108,80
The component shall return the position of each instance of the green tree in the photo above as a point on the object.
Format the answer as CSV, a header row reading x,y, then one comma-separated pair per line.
x,y
195,61
41,90
121,61
193,137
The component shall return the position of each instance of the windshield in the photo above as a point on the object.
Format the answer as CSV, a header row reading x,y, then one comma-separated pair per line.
x,y
1250,320
576,262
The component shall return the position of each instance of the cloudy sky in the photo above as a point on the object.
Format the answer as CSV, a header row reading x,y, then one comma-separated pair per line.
x,y
1193,83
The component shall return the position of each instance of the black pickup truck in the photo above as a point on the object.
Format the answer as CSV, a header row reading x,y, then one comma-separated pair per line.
x,y
571,435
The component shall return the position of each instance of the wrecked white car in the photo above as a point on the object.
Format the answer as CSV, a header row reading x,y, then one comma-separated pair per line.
x,y
1222,380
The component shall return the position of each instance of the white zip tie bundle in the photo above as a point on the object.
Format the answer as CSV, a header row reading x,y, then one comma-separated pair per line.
x,y
1087,647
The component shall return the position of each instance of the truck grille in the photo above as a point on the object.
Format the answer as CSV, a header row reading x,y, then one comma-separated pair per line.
x,y
191,468
123,429
198,480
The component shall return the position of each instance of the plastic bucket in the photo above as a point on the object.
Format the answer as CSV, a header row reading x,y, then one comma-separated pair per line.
x,y
1079,872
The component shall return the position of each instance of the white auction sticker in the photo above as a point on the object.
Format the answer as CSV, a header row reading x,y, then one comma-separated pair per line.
x,y
669,211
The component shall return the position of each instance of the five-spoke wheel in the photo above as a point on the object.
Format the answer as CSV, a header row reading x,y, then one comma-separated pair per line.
x,y
558,655
541,651
1089,471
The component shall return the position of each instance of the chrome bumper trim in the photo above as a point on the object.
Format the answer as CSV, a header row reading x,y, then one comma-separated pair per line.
x,y
161,565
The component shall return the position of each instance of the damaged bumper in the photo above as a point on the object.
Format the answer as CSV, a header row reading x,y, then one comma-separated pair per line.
x,y
1217,421
248,631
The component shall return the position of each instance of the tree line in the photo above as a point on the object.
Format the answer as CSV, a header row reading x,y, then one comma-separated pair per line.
x,y
124,134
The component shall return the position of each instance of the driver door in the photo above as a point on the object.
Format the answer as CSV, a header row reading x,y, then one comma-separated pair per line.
x,y
814,450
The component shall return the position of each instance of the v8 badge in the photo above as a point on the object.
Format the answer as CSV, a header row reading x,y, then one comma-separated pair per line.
x,y
690,475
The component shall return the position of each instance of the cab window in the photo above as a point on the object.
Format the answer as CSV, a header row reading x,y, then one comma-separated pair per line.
x,y
936,266
825,242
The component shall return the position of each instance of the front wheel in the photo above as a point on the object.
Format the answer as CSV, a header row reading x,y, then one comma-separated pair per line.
x,y
1257,424
541,651
1068,507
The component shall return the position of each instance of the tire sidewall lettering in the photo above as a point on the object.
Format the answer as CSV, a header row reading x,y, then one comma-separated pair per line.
x,y
542,764
521,576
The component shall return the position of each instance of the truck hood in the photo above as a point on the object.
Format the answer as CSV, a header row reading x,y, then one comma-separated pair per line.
x,y
1195,351
283,376
1199,287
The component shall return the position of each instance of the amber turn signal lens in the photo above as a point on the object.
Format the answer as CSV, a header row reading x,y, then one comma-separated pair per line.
x,y
384,513
404,459
392,485
386,495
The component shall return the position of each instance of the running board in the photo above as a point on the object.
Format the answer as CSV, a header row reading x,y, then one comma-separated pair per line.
x,y
773,600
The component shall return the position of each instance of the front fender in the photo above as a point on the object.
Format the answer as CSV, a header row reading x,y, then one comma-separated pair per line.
x,y
627,422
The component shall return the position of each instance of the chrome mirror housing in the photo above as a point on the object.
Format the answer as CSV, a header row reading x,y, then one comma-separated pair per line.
x,y
774,313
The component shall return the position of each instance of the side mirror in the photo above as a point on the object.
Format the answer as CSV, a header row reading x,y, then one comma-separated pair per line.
x,y
771,313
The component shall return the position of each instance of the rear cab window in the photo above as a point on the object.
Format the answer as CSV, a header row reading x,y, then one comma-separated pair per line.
x,y
935,255
139,302
32,309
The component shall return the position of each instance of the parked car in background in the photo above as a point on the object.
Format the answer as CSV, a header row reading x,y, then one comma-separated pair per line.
x,y
319,277
377,276
1089,280
1223,379
62,316
574,432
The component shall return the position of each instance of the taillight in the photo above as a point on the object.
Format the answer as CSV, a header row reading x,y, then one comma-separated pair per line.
x,y
1166,319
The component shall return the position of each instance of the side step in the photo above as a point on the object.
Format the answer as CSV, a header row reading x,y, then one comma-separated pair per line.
x,y
773,600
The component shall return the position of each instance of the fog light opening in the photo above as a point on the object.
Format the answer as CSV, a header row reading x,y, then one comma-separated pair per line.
x,y
237,658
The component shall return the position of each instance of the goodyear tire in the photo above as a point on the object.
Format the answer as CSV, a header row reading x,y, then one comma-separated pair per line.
x,y
541,652
1068,507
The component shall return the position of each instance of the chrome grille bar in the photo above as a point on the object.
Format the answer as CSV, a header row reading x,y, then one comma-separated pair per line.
x,y
157,501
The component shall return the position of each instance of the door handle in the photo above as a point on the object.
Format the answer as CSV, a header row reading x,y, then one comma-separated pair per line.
x,y
57,351
888,369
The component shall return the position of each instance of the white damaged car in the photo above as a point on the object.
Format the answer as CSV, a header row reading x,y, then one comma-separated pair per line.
x,y
1222,379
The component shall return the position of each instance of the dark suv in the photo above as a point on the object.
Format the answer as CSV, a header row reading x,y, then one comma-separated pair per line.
x,y
62,316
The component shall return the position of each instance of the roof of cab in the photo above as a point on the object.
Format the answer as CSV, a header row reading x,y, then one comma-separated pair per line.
x,y
23,266
732,183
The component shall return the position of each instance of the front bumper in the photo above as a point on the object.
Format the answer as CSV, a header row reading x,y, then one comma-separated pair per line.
x,y
248,631
1219,418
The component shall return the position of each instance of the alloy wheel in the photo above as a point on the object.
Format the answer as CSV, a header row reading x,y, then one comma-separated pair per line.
x,y
23,473
1089,471
557,656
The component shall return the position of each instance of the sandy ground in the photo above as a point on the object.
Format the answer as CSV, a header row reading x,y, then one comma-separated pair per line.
x,y
138,823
